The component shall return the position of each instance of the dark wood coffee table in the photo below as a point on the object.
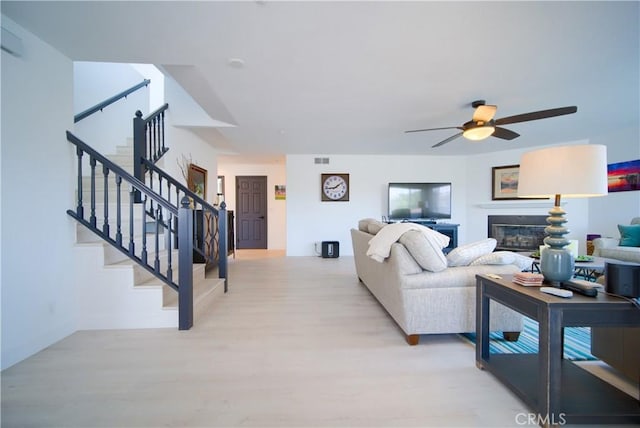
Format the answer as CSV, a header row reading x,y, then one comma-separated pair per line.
x,y
556,390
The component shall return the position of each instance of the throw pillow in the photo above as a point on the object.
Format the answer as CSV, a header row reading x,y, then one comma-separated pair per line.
x,y
629,235
426,248
496,258
363,225
465,254
504,258
375,226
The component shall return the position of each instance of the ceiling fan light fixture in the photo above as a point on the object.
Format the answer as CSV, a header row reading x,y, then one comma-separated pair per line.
x,y
479,132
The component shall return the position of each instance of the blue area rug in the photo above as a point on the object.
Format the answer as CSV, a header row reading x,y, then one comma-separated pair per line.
x,y
577,342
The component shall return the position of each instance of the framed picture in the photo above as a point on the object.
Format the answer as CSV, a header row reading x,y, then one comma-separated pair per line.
x,y
504,182
623,176
281,192
197,180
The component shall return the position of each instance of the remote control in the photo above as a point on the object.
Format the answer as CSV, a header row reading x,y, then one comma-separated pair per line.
x,y
557,291
590,290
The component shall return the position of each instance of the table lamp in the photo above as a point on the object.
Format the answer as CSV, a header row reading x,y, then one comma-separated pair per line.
x,y
576,171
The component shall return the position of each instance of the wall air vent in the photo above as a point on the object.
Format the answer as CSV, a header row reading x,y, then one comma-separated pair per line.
x,y
319,161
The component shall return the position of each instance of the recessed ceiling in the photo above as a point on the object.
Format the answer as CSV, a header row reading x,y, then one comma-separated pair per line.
x,y
351,77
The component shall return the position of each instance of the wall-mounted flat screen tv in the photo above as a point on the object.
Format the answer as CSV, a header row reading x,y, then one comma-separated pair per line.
x,y
419,201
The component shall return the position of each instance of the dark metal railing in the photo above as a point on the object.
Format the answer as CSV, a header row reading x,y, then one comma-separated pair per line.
x,y
98,107
148,140
148,240
210,223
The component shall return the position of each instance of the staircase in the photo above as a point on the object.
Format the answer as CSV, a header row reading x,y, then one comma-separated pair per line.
x,y
138,231
118,292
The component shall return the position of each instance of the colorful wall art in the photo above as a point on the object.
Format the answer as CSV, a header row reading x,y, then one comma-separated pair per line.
x,y
624,176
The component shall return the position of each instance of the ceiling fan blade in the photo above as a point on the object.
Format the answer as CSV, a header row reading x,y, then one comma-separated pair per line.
x,y
445,141
504,133
432,129
484,113
542,114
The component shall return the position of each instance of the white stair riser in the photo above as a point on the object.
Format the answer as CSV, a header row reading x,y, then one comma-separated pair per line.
x,y
112,301
119,293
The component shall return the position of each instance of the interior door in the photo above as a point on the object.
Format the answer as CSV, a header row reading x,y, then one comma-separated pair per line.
x,y
251,212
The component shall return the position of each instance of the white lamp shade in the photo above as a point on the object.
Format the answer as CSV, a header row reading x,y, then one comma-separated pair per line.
x,y
576,171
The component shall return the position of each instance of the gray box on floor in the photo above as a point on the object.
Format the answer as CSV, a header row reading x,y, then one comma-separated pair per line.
x,y
330,249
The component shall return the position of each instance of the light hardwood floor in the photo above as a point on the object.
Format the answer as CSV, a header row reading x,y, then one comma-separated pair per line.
x,y
297,342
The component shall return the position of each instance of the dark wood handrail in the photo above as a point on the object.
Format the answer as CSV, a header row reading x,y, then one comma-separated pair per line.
x,y
153,114
139,185
98,107
197,199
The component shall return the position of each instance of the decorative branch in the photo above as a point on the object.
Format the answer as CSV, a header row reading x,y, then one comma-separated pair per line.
x,y
183,164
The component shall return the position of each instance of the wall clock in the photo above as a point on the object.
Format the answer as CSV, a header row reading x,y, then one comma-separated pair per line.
x,y
334,187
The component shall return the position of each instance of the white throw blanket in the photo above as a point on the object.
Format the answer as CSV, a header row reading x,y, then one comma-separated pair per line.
x,y
380,244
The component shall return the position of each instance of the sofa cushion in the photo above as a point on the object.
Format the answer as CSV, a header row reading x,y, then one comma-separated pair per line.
x,y
465,254
629,235
426,248
363,225
375,226
370,225
504,258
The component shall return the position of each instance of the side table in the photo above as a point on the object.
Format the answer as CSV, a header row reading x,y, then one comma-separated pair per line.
x,y
557,390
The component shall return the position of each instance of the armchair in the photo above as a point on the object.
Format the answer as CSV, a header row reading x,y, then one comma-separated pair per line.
x,y
610,248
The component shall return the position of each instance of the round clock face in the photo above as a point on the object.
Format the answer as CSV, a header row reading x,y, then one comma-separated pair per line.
x,y
334,187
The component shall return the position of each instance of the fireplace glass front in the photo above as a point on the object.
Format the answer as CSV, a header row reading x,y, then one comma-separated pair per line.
x,y
517,233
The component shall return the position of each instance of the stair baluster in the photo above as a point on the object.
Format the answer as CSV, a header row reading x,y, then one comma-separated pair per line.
x,y
105,225
79,207
118,211
92,219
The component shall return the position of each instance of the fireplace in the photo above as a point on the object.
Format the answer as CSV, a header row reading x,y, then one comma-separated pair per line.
x,y
517,232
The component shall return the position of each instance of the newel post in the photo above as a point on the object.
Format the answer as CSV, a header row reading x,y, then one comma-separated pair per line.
x,y
139,149
185,265
222,244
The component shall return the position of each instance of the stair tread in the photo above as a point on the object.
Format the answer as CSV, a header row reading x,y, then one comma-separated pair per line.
x,y
205,287
200,290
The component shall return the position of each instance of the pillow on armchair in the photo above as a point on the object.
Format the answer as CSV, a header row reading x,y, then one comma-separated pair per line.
x,y
629,235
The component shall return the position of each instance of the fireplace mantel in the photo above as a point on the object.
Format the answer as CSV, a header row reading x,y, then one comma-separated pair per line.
x,y
503,205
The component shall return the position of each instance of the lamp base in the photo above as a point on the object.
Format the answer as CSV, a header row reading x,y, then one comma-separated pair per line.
x,y
556,265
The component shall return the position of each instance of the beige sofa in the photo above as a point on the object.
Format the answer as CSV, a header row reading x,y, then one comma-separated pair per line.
x,y
424,302
610,248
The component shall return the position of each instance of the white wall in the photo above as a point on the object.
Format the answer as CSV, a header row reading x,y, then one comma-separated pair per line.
x,y
94,82
310,221
616,208
276,209
38,288
184,144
